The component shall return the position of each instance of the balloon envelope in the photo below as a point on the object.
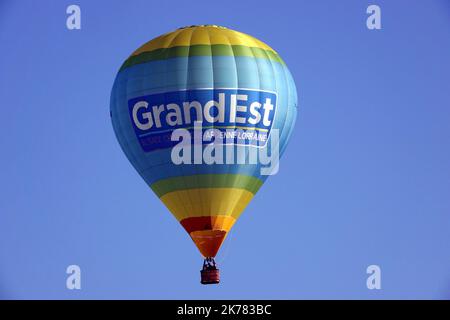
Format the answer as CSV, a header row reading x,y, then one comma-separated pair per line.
x,y
224,79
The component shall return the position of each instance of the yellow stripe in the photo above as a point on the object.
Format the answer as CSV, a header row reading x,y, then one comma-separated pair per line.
x,y
207,202
202,35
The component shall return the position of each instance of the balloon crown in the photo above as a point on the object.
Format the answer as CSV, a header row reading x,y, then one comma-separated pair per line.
x,y
203,26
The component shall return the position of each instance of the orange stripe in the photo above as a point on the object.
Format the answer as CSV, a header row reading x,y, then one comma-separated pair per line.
x,y
208,242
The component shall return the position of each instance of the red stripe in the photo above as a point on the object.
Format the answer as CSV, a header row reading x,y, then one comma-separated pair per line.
x,y
197,223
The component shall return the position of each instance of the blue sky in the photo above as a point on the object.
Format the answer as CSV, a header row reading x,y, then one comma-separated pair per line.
x,y
365,179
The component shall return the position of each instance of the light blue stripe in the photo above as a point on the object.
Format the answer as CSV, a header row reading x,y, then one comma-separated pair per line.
x,y
191,73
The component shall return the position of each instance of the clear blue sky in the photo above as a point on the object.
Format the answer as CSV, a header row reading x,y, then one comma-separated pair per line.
x,y
365,179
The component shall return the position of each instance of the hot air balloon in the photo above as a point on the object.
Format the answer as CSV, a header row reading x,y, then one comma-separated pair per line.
x,y
221,80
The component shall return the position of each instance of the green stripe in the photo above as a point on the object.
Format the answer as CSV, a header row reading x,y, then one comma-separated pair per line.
x,y
237,181
201,50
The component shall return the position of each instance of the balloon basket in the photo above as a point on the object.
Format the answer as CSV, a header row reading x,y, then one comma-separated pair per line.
x,y
209,274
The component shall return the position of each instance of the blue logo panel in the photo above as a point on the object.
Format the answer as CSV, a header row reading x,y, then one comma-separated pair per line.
x,y
228,116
